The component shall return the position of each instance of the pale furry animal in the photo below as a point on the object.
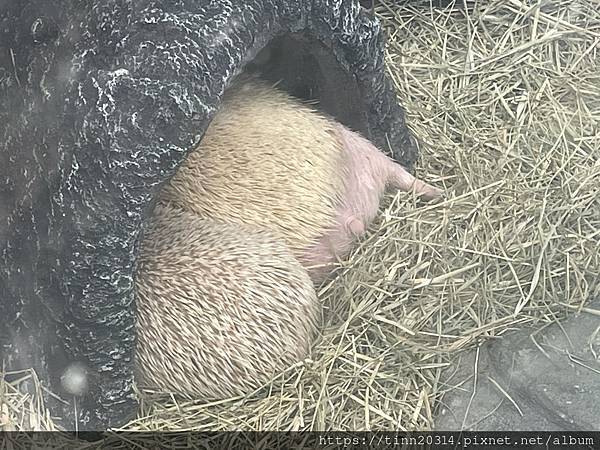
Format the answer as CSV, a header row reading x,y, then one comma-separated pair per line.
x,y
269,160
221,308
256,165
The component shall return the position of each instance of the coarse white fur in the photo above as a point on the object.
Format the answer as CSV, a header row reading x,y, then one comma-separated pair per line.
x,y
221,307
242,170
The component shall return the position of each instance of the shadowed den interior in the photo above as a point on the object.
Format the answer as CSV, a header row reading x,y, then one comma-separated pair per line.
x,y
307,70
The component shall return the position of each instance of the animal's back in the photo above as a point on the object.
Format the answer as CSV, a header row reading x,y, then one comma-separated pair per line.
x,y
266,159
220,307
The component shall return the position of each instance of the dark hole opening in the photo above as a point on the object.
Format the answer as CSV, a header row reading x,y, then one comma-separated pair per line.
x,y
307,70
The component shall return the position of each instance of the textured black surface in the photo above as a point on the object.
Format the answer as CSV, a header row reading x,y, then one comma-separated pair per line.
x,y
550,379
99,103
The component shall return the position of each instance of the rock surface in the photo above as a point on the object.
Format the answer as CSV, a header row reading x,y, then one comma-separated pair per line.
x,y
550,379
99,104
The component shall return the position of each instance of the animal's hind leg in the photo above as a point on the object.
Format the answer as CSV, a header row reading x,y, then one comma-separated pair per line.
x,y
371,166
401,179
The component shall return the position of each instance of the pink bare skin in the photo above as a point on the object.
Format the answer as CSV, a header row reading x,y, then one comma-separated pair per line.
x,y
367,174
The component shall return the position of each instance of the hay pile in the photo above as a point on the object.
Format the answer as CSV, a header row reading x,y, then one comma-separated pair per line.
x,y
505,99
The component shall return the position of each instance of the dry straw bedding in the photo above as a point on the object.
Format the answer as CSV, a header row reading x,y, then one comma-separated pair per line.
x,y
505,99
